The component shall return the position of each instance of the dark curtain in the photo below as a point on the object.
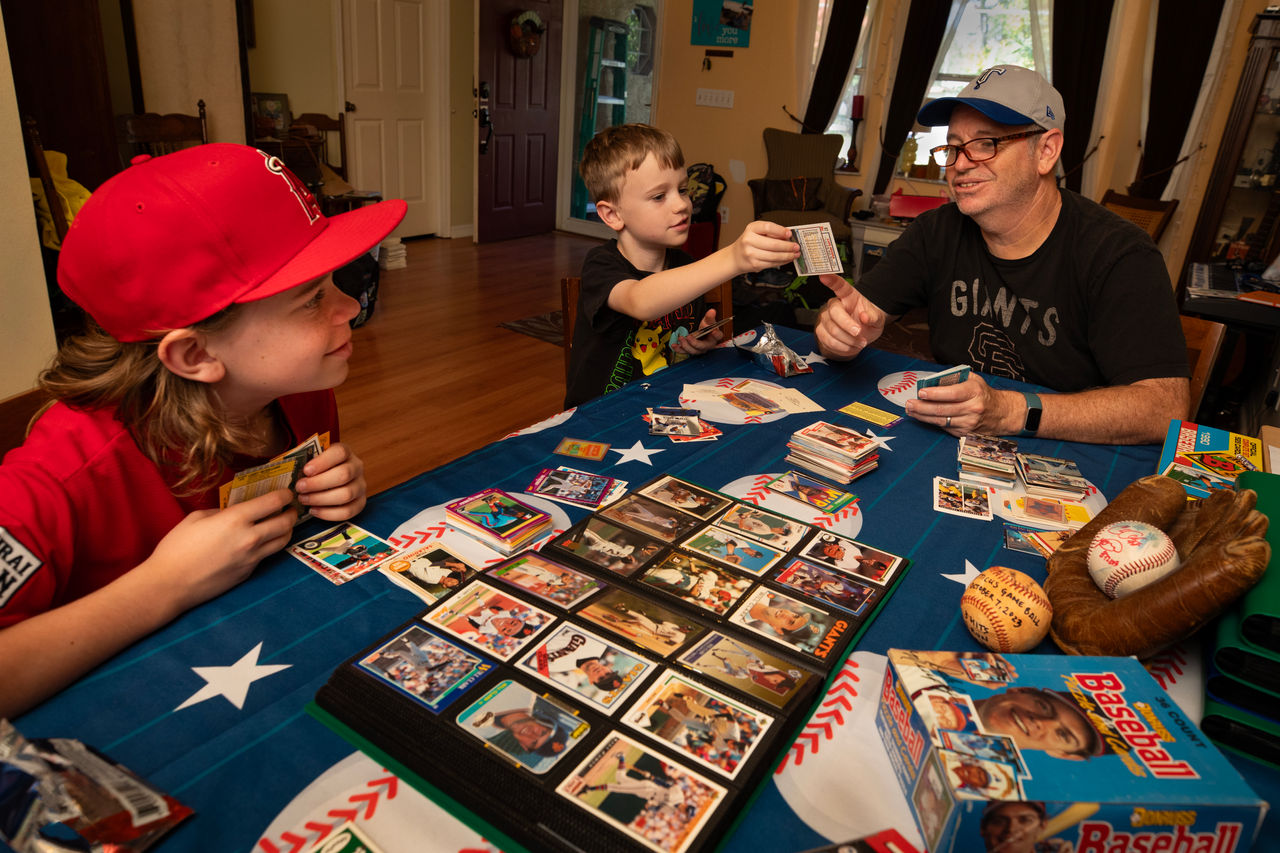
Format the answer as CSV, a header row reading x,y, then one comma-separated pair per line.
x,y
843,29
926,24
1184,40
1079,45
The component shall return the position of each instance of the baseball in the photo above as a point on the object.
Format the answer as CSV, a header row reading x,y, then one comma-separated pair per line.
x,y
1006,610
1125,556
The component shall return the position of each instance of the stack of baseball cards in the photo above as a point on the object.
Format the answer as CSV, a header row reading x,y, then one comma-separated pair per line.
x,y
988,460
838,453
629,686
494,518
1051,477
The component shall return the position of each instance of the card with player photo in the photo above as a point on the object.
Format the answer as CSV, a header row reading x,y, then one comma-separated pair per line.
x,y
587,666
343,552
990,746
571,486
535,731
651,517
696,581
851,556
774,530
640,620
827,585
609,546
707,727
430,572
811,491
489,619
546,579
425,666
686,497
732,549
793,623
960,498
747,668
650,798
979,778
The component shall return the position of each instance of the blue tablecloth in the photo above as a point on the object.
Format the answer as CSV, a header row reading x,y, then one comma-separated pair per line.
x,y
240,748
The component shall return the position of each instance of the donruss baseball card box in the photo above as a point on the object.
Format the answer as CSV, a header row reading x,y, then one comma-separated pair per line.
x,y
1021,753
1203,458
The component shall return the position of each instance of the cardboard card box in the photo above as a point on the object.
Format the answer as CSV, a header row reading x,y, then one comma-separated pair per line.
x,y
1004,751
1270,437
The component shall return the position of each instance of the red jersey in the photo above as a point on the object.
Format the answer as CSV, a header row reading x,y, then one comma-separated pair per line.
x,y
81,504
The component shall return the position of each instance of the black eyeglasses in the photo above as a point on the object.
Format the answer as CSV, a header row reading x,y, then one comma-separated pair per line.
x,y
977,150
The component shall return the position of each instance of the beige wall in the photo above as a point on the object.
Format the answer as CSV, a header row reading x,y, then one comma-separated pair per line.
x,y
297,54
25,324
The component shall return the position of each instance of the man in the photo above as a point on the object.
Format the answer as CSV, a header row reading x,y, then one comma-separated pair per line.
x,y
1025,281
1014,827
1048,720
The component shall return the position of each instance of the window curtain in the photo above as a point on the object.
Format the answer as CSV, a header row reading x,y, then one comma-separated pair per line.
x,y
926,24
843,28
1181,54
1079,46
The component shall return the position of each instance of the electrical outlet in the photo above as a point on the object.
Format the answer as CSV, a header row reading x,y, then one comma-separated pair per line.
x,y
724,216
722,98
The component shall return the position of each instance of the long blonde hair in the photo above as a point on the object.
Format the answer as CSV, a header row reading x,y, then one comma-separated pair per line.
x,y
178,423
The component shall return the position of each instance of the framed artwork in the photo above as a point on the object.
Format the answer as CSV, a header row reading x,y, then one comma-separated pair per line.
x,y
271,109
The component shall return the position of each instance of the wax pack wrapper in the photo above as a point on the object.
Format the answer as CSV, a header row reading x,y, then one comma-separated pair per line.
x,y
771,353
63,781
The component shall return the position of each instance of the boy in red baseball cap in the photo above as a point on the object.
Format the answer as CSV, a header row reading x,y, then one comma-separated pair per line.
x,y
215,340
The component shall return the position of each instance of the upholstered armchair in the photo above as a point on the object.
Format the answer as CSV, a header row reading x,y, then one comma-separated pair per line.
x,y
800,184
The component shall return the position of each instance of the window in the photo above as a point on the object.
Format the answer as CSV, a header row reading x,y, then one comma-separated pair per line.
x,y
982,33
842,121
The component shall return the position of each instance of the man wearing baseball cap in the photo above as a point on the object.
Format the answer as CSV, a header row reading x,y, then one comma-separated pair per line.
x,y
215,342
1026,281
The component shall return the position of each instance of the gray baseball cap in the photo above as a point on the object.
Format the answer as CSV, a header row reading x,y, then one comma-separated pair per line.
x,y
1009,94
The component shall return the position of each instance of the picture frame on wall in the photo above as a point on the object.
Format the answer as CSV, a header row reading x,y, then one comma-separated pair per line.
x,y
271,113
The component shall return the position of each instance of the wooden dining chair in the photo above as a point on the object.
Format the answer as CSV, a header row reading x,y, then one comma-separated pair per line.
x,y
1204,345
333,133
155,134
35,149
1151,215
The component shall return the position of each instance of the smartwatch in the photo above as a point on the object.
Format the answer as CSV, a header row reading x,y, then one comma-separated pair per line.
x,y
1034,410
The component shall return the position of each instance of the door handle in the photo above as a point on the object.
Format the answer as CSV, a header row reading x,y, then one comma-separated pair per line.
x,y
485,119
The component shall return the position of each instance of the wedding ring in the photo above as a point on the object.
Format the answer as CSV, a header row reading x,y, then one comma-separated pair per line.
x,y
948,420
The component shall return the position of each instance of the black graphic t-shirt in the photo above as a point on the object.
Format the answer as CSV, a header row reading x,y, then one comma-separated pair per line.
x,y
609,348
1091,307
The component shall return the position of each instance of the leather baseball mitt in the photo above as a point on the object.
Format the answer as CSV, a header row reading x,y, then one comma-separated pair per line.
x,y
1220,543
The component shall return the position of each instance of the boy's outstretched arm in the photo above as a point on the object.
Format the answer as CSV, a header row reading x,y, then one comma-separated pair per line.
x,y
205,554
762,245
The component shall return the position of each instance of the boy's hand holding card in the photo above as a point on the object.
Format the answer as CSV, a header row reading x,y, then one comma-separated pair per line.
x,y
818,253
283,472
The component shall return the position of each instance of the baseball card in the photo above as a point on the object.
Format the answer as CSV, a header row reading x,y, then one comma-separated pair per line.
x,y
651,517
932,800
580,449
281,472
761,525
696,582
608,546
548,580
342,553
707,727
658,629
960,498
576,487
979,778
425,666
429,572
586,665
535,731
737,551
786,620
746,668
1042,509
497,513
951,376
686,497
349,838
811,491
989,746
827,585
818,253
489,619
752,403
871,414
654,800
852,557
1017,538
674,421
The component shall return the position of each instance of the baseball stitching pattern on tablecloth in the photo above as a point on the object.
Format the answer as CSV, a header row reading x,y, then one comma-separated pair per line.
x,y
364,806
1167,666
829,716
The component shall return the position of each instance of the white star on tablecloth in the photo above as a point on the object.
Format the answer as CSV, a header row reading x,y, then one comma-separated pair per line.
x,y
966,577
881,440
635,453
231,682
814,358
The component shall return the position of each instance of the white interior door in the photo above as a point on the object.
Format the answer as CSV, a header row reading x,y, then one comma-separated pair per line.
x,y
395,59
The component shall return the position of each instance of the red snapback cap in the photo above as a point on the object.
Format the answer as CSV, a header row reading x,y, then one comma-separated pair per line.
x,y
173,240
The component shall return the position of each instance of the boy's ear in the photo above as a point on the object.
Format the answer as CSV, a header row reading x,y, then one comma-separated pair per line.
x,y
609,214
183,352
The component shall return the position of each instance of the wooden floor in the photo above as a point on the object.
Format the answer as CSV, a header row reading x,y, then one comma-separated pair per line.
x,y
433,376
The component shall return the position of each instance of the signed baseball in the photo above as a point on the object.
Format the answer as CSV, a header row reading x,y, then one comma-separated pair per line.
x,y
1125,556
1006,610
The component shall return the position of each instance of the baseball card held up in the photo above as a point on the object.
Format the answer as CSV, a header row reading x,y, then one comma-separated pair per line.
x,y
818,254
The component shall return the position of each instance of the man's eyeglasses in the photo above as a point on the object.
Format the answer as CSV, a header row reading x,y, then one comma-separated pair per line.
x,y
977,150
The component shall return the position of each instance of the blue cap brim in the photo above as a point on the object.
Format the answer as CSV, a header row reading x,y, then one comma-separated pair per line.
x,y
938,112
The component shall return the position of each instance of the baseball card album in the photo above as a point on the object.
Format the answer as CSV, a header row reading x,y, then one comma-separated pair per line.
x,y
626,688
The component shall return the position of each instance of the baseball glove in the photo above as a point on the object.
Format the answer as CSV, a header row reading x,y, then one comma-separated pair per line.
x,y
1223,553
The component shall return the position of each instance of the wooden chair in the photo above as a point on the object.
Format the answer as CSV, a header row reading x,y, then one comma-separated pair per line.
x,y
348,198
1204,344
1151,215
36,150
721,299
15,416
155,134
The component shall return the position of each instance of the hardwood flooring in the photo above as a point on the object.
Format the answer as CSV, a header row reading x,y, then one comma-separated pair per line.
x,y
433,376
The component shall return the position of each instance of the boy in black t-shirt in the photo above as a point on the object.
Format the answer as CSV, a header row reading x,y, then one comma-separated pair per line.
x,y
641,296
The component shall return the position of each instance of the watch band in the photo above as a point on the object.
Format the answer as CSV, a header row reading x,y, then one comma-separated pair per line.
x,y
1034,409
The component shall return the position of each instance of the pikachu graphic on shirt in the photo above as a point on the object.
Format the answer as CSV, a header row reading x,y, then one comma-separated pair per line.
x,y
649,348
